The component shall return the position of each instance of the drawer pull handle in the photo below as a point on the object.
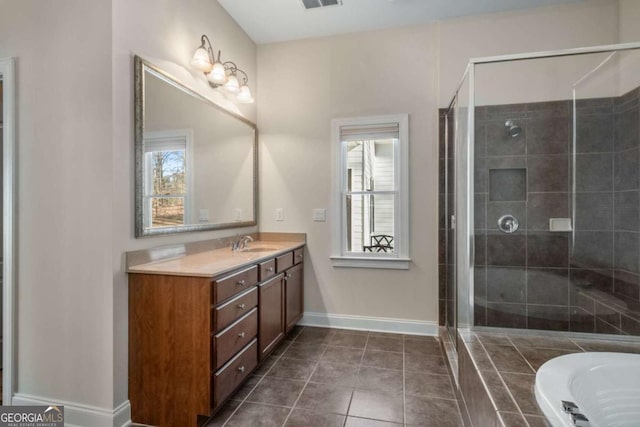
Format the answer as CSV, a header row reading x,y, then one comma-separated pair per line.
x,y
241,306
289,276
299,255
270,269
241,369
240,282
241,334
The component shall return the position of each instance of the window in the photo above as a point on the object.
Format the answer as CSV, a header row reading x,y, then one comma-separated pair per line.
x,y
371,192
167,180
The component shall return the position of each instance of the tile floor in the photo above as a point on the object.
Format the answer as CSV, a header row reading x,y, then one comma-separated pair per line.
x,y
329,377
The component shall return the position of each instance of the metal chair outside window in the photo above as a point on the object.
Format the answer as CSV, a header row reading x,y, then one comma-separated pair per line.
x,y
380,243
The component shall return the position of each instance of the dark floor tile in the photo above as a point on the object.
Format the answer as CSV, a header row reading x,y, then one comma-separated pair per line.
x,y
511,419
539,341
382,359
294,369
426,411
335,373
429,385
276,391
257,415
304,418
535,421
507,359
498,391
266,365
385,343
315,335
377,379
429,363
346,339
377,405
421,347
246,388
521,387
305,351
480,357
281,348
348,355
538,356
223,414
617,347
493,339
365,422
325,398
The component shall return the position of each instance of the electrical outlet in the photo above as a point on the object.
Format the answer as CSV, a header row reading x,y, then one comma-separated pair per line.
x,y
279,214
203,215
319,215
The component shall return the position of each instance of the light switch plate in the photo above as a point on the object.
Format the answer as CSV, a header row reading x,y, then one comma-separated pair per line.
x,y
319,215
203,215
279,214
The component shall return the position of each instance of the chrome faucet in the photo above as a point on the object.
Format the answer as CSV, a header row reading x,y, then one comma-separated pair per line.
x,y
241,243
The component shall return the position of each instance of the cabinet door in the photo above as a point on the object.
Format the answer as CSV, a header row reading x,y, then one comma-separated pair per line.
x,y
294,296
271,301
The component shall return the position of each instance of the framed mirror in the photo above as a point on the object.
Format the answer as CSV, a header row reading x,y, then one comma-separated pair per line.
x,y
196,162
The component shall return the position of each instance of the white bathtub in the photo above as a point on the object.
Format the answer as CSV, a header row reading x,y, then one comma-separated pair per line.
x,y
605,386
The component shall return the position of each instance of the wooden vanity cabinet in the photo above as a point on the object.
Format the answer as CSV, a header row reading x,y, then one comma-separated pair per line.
x,y
194,340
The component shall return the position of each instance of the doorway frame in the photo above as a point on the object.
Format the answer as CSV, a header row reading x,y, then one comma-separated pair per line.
x,y
9,191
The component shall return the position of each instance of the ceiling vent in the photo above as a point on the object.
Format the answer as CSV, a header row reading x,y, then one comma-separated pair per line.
x,y
313,4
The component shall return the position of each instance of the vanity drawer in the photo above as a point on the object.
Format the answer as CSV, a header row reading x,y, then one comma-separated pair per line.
x,y
227,379
267,269
231,340
228,286
284,261
298,255
227,313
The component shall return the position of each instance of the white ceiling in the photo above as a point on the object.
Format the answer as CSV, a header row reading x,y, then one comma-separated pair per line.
x,y
268,21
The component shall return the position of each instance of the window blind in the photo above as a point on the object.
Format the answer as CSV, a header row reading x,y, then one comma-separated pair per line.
x,y
165,144
369,132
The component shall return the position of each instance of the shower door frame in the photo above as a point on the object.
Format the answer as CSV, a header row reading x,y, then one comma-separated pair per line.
x,y
465,256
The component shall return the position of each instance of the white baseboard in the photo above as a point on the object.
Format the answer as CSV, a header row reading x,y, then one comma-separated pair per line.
x,y
376,324
79,415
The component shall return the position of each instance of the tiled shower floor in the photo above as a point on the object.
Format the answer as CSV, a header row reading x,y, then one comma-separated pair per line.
x,y
508,362
329,377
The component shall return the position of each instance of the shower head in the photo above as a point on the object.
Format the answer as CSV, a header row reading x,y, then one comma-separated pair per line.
x,y
513,129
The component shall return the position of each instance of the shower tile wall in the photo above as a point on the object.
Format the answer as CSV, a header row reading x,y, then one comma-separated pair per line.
x,y
532,278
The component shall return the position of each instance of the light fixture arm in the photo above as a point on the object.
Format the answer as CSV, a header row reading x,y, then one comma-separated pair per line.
x,y
233,69
205,44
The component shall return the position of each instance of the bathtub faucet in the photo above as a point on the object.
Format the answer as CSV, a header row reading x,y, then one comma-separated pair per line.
x,y
578,419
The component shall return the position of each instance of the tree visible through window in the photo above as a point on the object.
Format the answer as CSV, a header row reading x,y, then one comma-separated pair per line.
x,y
166,179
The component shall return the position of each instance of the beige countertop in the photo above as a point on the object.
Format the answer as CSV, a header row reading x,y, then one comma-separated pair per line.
x,y
216,261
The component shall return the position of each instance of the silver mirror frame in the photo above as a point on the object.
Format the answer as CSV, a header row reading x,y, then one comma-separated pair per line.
x,y
140,66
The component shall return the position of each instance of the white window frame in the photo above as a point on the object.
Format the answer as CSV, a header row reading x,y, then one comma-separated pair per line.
x,y
341,257
180,136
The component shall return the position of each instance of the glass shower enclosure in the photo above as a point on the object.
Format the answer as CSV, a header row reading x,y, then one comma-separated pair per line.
x,y
540,193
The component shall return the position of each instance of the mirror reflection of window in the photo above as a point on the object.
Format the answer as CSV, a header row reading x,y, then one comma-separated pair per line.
x,y
167,179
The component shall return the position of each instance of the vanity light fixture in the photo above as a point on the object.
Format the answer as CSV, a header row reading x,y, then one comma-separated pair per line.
x,y
221,74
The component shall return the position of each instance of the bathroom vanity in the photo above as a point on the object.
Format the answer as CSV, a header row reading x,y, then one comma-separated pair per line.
x,y
200,323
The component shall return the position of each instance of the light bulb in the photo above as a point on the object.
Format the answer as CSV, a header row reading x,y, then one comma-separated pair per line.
x,y
218,74
232,85
200,60
245,95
